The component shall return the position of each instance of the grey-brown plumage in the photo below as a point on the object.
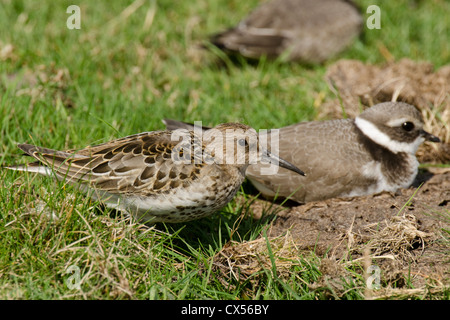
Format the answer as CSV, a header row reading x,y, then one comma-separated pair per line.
x,y
305,30
160,176
345,158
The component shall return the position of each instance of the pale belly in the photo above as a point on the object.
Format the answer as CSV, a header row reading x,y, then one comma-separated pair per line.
x,y
183,204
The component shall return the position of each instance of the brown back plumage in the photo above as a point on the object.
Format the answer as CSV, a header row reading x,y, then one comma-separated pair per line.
x,y
139,164
316,147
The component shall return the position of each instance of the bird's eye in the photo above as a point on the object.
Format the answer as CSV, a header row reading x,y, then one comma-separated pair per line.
x,y
408,126
242,142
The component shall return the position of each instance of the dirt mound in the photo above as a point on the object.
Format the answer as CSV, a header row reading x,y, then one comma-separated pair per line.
x,y
360,85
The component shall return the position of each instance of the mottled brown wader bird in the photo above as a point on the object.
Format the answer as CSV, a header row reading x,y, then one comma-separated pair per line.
x,y
160,176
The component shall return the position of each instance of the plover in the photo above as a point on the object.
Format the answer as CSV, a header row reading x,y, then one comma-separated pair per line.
x,y
306,30
159,176
375,152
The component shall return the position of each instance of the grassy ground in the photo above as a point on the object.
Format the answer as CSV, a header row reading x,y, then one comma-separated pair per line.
x,y
131,64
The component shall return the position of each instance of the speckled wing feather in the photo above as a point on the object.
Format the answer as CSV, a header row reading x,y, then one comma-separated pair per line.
x,y
138,164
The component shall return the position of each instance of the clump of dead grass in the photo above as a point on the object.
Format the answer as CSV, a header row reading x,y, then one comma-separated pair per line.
x,y
7,52
397,237
416,293
394,244
242,261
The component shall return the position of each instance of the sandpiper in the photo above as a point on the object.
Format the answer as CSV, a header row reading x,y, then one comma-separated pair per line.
x,y
159,176
303,30
345,158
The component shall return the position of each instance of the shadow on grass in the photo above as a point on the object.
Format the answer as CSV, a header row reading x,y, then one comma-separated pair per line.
x,y
235,222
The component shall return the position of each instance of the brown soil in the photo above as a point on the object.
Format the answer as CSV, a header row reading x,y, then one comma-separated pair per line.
x,y
403,234
412,238
318,225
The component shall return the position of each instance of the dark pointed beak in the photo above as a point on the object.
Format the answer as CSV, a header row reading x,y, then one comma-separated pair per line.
x,y
429,137
271,158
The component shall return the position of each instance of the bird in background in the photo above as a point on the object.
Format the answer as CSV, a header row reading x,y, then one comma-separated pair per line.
x,y
309,31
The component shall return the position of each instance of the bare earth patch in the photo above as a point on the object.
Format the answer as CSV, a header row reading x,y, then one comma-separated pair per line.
x,y
403,234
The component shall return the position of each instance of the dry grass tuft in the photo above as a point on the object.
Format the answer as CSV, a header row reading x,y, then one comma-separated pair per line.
x,y
244,261
398,237
403,293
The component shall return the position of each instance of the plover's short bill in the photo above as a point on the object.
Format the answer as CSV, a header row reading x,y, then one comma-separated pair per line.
x,y
345,158
160,176
302,30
